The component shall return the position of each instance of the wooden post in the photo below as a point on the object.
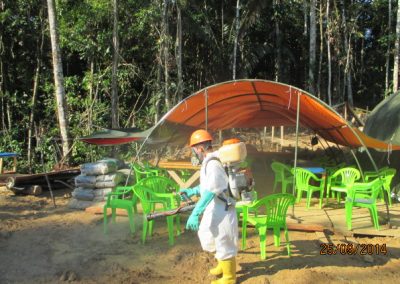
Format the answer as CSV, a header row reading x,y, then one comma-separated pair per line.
x,y
282,129
1,165
272,134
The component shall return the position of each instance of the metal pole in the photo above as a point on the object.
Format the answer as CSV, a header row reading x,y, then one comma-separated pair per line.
x,y
295,149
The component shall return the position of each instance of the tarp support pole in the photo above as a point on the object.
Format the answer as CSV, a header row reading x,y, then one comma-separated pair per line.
x,y
295,149
358,164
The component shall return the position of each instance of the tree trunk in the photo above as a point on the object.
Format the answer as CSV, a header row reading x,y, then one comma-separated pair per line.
x,y
321,50
312,51
235,44
278,42
58,79
396,53
178,52
347,47
91,97
165,46
387,65
305,34
34,96
114,84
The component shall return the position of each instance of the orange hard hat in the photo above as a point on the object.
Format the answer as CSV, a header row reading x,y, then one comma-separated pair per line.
x,y
199,136
231,141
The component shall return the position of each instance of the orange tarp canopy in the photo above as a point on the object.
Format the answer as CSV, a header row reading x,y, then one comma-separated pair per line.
x,y
255,104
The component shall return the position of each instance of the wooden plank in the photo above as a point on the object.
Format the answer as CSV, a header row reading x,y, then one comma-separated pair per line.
x,y
177,165
99,210
305,227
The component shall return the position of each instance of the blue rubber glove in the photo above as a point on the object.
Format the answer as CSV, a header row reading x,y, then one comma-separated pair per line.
x,y
193,221
190,192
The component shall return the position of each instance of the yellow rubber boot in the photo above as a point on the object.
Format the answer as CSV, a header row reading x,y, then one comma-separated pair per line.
x,y
228,272
216,270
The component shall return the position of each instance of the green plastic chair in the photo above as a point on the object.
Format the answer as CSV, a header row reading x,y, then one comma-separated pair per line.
x,y
340,181
363,195
371,175
115,200
142,172
304,180
165,188
387,175
275,208
149,201
240,204
283,175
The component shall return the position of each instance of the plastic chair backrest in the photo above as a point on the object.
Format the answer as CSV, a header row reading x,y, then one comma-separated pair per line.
x,y
281,170
144,195
388,175
371,193
160,184
346,176
141,173
275,206
303,178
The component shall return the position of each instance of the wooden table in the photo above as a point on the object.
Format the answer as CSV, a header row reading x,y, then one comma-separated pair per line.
x,y
172,166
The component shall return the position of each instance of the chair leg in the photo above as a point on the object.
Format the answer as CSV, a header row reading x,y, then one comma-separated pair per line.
x,y
308,199
151,224
321,193
299,193
277,236
134,202
113,214
105,220
349,208
170,224
131,220
284,185
375,218
389,197
244,233
145,226
262,231
275,184
287,242
178,225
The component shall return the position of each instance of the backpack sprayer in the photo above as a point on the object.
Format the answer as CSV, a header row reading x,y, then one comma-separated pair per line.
x,y
241,183
240,180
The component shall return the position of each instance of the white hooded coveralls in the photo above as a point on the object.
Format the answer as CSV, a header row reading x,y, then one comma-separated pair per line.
x,y
218,230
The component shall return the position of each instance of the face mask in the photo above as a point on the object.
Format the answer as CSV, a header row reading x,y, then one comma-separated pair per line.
x,y
195,159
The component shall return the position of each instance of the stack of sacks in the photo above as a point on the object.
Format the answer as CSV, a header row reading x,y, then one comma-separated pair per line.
x,y
97,179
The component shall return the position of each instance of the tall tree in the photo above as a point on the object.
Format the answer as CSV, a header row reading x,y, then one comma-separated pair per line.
x,y
178,52
396,53
387,64
58,78
114,87
328,50
278,40
235,43
312,50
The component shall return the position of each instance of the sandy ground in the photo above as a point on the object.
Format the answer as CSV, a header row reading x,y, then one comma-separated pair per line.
x,y
42,244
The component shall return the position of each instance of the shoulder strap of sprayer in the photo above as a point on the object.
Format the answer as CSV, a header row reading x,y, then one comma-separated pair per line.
x,y
220,196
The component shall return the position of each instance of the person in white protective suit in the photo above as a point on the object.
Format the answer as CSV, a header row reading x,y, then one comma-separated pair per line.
x,y
218,229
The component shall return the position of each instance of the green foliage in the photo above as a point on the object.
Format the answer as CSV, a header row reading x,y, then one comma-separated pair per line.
x,y
208,34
